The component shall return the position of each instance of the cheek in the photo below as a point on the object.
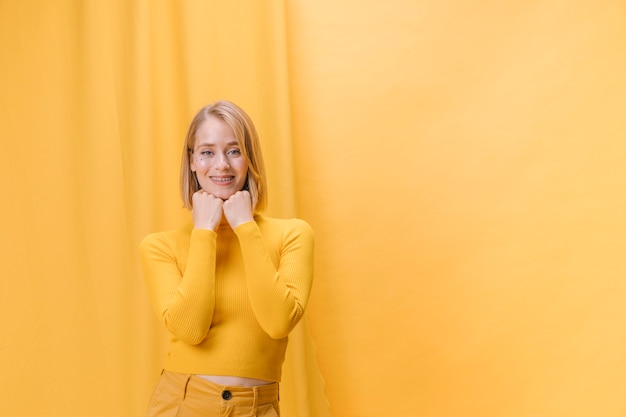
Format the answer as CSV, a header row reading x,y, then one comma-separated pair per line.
x,y
242,166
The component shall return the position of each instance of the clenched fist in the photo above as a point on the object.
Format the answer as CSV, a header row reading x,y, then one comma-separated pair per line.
x,y
207,210
238,208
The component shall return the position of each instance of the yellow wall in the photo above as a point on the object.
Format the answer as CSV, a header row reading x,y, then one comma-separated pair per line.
x,y
460,162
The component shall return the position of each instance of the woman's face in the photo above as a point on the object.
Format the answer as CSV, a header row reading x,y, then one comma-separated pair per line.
x,y
217,159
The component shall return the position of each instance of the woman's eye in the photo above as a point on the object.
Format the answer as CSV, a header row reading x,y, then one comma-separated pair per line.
x,y
234,152
206,153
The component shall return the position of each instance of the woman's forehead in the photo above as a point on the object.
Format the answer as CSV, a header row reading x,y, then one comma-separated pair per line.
x,y
214,132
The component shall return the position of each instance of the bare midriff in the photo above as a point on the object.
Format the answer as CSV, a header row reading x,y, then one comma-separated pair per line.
x,y
235,381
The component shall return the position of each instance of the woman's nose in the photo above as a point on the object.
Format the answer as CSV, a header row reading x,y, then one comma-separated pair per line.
x,y
222,162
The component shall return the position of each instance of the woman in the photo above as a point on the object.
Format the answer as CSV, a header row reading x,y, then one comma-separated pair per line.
x,y
230,285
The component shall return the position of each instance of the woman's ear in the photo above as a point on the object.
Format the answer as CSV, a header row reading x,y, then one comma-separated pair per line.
x,y
192,162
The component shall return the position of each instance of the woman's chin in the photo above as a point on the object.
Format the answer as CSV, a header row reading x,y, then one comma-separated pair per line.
x,y
222,194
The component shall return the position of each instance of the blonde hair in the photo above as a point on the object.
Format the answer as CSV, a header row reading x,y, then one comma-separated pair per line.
x,y
246,134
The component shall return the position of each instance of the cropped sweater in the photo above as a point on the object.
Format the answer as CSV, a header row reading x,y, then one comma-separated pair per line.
x,y
230,298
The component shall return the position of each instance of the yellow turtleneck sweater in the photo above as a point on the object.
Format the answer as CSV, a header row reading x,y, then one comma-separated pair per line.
x,y
230,298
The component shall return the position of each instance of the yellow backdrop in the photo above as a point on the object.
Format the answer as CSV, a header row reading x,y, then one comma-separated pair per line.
x,y
460,162
95,101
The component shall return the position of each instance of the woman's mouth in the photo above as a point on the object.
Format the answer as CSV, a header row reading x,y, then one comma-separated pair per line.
x,y
223,180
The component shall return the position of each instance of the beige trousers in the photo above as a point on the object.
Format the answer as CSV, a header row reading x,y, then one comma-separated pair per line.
x,y
184,395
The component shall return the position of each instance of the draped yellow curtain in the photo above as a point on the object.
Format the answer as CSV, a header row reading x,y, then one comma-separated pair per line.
x,y
461,163
95,98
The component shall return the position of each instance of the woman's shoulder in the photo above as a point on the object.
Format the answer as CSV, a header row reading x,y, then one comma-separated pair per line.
x,y
282,225
168,238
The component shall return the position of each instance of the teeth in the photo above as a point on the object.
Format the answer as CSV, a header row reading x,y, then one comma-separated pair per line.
x,y
222,179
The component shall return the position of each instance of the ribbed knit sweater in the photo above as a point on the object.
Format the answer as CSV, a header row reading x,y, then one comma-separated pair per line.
x,y
230,298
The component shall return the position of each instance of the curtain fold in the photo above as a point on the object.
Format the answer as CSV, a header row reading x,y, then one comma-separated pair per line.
x,y
95,99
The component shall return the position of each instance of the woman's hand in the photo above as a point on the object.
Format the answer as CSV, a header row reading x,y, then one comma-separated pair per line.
x,y
238,209
207,210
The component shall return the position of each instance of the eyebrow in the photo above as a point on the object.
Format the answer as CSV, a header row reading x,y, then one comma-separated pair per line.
x,y
211,145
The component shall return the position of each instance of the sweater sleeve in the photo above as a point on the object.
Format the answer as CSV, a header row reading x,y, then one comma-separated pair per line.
x,y
185,301
278,295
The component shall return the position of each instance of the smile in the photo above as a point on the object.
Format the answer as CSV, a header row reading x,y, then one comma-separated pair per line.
x,y
222,179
